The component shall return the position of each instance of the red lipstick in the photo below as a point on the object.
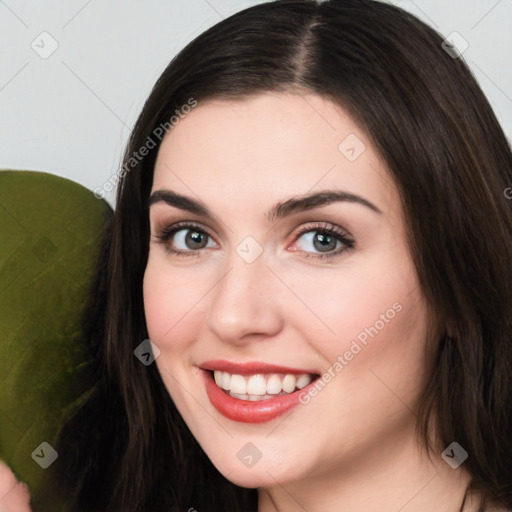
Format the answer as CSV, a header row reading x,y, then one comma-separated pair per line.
x,y
247,411
251,368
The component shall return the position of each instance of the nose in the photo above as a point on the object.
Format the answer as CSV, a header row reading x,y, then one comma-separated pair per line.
x,y
245,304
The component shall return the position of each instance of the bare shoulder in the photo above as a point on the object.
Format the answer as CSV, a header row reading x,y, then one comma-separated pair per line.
x,y
14,496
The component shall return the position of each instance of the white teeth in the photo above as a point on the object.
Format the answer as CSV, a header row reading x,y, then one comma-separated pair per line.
x,y
226,379
238,385
289,383
260,386
303,381
274,385
257,385
240,396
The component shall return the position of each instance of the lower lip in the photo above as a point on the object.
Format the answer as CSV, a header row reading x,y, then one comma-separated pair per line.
x,y
246,411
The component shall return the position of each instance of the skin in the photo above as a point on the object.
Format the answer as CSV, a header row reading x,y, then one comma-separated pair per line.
x,y
352,447
14,496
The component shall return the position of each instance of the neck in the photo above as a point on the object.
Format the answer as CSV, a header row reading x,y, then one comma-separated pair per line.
x,y
394,476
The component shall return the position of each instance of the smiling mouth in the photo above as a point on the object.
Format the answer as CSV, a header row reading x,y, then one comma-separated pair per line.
x,y
260,386
254,392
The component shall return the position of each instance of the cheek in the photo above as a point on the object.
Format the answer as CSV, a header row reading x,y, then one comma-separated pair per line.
x,y
172,305
372,314
156,304
343,302
164,303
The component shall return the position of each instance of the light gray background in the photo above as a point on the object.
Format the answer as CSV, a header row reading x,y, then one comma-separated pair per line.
x,y
71,113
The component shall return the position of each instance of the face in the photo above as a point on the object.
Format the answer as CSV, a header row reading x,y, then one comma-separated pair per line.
x,y
292,286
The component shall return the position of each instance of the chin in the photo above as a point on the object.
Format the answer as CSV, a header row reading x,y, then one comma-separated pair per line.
x,y
262,474
248,478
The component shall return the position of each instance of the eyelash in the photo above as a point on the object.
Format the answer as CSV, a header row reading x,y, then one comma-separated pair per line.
x,y
165,234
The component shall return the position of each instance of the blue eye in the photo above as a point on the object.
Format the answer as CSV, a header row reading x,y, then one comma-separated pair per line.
x,y
324,238
186,234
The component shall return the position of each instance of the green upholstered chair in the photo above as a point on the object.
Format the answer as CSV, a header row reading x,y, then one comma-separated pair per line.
x,y
50,233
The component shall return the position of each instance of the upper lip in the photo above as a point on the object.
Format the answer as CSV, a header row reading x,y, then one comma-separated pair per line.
x,y
252,367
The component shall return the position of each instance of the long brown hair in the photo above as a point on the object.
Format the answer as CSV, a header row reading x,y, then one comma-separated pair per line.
x,y
127,448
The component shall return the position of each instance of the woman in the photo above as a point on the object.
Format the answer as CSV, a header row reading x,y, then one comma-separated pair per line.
x,y
317,244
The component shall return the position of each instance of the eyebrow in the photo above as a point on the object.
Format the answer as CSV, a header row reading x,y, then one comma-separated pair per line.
x,y
278,211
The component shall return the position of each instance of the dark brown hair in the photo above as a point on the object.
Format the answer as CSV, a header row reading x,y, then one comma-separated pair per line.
x,y
127,446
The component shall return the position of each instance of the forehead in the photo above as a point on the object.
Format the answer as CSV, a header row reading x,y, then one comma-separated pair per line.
x,y
263,148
